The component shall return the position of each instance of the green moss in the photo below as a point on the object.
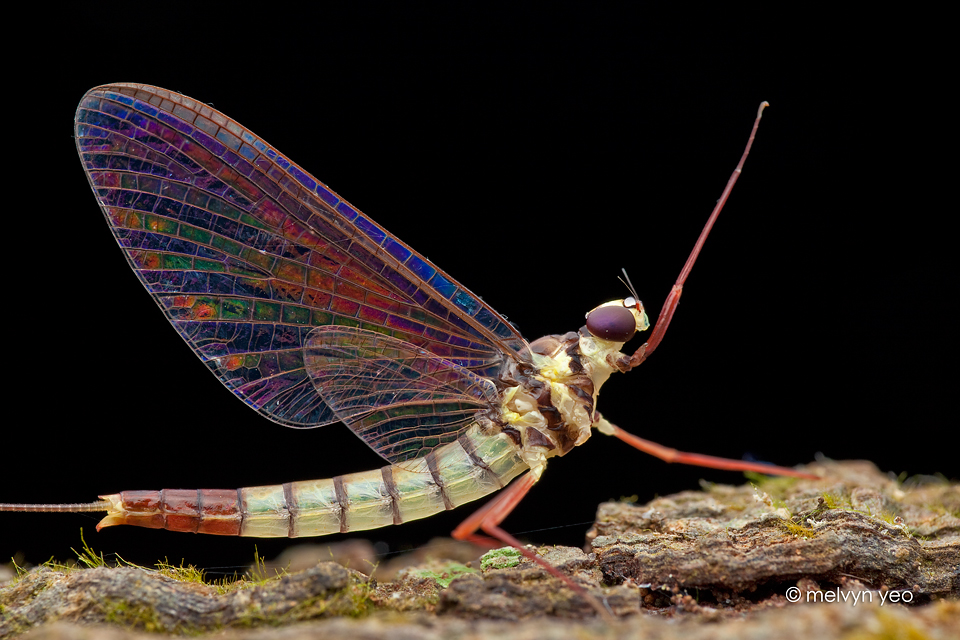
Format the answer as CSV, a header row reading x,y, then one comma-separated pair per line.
x,y
352,601
835,501
17,569
88,557
358,598
797,530
504,558
447,574
257,575
139,617
830,501
776,486
189,573
889,517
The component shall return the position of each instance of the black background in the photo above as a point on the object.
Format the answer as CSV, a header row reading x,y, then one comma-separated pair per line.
x,y
531,153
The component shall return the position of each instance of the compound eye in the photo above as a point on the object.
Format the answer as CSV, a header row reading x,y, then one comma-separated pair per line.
x,y
612,323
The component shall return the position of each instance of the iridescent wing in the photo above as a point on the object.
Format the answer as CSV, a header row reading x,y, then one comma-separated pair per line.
x,y
401,399
247,254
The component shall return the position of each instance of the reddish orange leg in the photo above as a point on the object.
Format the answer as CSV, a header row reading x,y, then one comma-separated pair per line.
x,y
656,337
697,459
493,513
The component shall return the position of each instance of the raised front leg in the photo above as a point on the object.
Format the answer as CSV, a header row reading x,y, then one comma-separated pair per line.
x,y
668,454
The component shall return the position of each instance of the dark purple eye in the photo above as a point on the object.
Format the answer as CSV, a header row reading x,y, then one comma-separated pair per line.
x,y
612,323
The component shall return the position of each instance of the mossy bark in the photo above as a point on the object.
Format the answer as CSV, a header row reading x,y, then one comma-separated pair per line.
x,y
725,555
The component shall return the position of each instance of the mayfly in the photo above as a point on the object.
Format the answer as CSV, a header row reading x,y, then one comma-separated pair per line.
x,y
311,313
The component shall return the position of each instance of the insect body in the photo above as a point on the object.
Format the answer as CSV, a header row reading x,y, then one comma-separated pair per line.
x,y
311,313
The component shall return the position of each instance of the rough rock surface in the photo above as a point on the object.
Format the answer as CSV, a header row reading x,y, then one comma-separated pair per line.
x,y
855,529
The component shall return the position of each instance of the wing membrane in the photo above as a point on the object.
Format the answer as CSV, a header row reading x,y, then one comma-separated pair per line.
x,y
247,254
402,400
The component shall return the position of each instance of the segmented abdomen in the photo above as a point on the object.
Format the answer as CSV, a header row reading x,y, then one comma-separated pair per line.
x,y
470,468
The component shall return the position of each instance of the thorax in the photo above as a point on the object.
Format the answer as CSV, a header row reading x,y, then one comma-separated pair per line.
x,y
549,407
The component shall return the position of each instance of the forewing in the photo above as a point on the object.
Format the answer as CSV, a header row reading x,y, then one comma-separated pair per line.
x,y
246,253
401,399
